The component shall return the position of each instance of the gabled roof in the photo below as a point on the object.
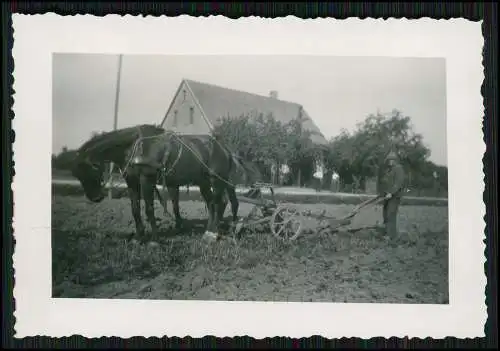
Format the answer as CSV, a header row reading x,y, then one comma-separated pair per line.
x,y
217,102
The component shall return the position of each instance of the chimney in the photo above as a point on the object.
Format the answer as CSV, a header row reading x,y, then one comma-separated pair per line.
x,y
273,94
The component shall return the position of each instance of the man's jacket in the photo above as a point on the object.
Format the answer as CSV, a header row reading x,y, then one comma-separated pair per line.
x,y
391,179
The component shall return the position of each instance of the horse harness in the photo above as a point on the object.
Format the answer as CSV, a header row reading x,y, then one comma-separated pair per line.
x,y
139,158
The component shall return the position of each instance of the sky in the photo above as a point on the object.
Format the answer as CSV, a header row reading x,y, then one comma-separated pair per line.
x,y
337,92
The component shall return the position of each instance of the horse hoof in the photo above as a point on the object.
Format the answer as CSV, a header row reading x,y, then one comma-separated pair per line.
x,y
210,236
153,244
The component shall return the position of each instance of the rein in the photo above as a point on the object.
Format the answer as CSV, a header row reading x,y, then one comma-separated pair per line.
x,y
183,144
203,163
165,172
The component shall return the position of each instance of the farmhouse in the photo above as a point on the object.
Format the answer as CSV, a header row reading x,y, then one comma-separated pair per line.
x,y
197,107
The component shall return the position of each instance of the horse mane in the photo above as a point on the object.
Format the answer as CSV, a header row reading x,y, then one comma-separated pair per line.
x,y
123,136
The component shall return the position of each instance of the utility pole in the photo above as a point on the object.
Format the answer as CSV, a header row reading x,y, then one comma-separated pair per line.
x,y
299,180
115,118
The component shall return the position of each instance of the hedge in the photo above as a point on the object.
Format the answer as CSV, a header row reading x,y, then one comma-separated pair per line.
x,y
325,198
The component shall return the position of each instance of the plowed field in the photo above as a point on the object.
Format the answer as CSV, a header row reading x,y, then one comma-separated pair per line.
x,y
92,259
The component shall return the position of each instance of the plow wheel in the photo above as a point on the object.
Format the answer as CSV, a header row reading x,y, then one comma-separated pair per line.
x,y
286,223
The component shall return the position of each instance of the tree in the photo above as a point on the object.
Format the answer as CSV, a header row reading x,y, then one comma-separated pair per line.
x,y
340,156
64,159
269,143
430,179
357,156
380,134
254,137
301,153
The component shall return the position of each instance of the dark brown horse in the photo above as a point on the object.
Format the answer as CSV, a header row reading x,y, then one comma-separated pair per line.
x,y
178,160
147,155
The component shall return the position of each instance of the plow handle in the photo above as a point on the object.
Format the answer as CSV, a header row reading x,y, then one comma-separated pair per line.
x,y
372,201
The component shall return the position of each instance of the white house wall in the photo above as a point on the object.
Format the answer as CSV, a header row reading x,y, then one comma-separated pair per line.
x,y
182,103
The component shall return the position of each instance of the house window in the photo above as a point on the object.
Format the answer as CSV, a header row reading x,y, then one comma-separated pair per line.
x,y
175,119
191,115
184,95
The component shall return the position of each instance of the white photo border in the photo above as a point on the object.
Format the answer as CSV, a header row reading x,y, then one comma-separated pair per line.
x,y
37,37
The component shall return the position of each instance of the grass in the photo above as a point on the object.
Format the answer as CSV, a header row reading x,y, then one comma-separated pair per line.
x,y
92,258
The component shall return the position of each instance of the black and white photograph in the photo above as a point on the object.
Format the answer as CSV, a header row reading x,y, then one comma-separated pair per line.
x,y
277,178
323,199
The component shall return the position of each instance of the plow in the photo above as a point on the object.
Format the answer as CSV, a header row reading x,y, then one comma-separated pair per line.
x,y
285,221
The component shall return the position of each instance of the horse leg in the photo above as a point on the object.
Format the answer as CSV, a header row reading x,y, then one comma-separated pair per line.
x,y
207,195
233,199
148,183
134,191
174,196
218,206
222,209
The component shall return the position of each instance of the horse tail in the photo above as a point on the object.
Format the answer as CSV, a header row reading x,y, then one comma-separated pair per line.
x,y
248,170
237,164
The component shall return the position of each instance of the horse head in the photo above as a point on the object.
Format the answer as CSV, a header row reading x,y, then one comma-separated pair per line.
x,y
90,174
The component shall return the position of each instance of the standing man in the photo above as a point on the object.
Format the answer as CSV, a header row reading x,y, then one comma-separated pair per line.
x,y
391,180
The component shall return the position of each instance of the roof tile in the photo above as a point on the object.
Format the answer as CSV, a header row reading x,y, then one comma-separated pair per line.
x,y
219,102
